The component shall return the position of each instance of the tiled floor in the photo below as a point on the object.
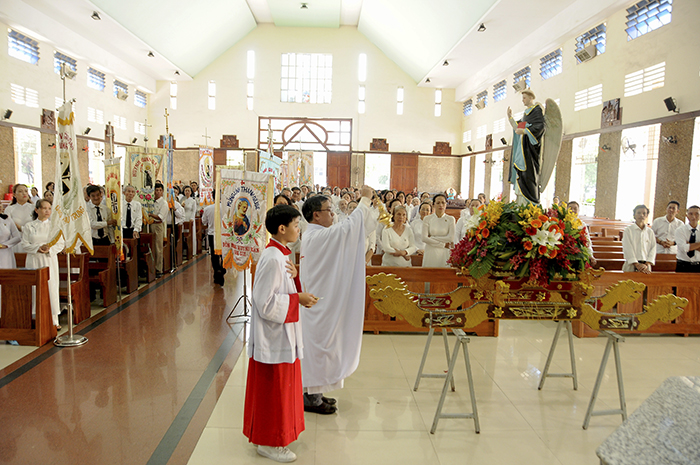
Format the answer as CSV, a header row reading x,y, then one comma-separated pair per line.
x,y
381,420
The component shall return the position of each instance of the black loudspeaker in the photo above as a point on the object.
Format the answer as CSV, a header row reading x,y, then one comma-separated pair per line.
x,y
504,141
670,104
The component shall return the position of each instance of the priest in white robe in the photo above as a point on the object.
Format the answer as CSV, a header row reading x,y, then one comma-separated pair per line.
x,y
332,267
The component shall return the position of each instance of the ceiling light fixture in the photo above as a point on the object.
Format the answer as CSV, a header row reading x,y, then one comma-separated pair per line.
x,y
482,28
445,63
95,15
177,73
427,81
304,6
150,54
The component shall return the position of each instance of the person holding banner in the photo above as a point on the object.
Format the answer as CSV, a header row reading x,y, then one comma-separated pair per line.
x,y
132,220
159,216
36,236
333,267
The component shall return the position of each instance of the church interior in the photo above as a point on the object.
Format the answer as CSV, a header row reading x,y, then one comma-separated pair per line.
x,y
396,94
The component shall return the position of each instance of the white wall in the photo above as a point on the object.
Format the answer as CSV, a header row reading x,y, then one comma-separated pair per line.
x,y
416,129
678,44
42,78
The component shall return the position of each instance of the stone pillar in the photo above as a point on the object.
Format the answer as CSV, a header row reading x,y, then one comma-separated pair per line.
x,y
673,166
7,159
562,181
608,172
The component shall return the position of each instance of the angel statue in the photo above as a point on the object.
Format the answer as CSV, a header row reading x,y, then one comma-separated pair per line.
x,y
536,142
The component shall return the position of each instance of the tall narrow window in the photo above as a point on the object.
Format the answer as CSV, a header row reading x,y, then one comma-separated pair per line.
x,y
95,79
362,68
361,100
551,64
639,156
28,157
438,102
584,173
496,175
479,174
211,102
399,101
96,166
377,169
250,74
173,95
22,47
693,185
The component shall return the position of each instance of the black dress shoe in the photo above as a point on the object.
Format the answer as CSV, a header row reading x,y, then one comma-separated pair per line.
x,y
323,409
329,400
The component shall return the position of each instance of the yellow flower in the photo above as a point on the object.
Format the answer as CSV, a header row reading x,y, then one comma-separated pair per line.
x,y
494,210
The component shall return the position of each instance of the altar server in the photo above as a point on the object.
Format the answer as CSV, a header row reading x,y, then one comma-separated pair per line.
x,y
333,268
274,411
36,236
438,234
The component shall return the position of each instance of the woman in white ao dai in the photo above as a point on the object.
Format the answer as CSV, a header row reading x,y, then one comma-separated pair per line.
x,y
397,241
438,234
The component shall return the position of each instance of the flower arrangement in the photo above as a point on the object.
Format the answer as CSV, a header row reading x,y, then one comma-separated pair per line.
x,y
523,240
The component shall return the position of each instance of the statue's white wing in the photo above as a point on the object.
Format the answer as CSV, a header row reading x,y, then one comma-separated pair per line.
x,y
551,141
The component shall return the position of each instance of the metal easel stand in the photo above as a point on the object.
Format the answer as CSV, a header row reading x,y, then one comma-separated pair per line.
x,y
613,340
545,373
425,356
70,340
462,340
243,298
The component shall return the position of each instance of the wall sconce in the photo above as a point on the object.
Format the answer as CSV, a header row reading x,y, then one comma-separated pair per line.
x,y
504,141
87,131
671,105
95,15
671,139
605,148
133,141
52,146
7,115
469,147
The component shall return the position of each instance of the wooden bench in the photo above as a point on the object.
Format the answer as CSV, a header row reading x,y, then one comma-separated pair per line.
x,y
103,272
146,262
441,280
16,323
685,285
416,260
201,234
80,286
129,268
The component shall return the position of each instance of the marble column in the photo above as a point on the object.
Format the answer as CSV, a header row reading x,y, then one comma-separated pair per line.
x,y
608,172
673,166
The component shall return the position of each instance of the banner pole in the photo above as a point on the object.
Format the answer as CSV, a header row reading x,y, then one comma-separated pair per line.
x,y
70,340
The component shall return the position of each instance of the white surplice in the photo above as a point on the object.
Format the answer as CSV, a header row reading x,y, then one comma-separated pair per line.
x,y
333,268
34,235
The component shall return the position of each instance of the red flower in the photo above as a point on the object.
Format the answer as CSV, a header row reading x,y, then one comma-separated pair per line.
x,y
530,231
482,225
542,249
527,245
552,253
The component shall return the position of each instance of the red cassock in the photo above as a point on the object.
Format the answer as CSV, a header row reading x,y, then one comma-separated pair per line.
x,y
274,399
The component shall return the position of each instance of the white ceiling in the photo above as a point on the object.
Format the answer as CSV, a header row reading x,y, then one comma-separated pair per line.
x,y
418,35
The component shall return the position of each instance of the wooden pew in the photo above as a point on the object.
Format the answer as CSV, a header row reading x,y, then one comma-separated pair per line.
x,y
146,262
201,234
615,264
80,286
103,272
416,260
685,285
16,323
129,268
440,280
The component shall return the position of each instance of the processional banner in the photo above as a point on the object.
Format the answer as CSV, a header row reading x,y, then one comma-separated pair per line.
x,y
240,235
301,168
206,176
113,189
70,219
168,170
271,165
143,166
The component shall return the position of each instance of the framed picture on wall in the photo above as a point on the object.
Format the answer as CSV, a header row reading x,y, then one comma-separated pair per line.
x,y
611,114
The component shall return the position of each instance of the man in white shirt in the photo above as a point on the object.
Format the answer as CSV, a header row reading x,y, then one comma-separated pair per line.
x,y
638,243
132,222
101,221
333,268
208,215
688,253
159,216
665,229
